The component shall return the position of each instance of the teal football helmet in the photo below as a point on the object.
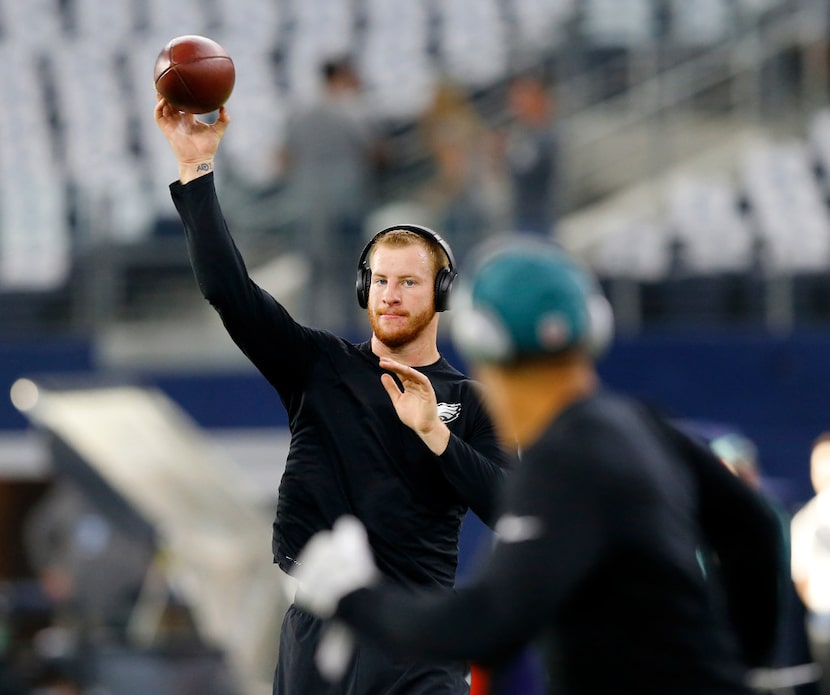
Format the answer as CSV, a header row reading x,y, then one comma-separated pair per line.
x,y
525,296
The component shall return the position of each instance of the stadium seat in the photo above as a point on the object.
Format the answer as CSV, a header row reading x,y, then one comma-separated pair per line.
x,y
540,24
473,41
705,219
787,207
618,23
636,249
700,24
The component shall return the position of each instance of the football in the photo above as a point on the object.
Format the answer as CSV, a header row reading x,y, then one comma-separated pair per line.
x,y
195,74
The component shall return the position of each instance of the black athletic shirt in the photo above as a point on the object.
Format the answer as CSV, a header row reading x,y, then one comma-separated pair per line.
x,y
349,453
598,559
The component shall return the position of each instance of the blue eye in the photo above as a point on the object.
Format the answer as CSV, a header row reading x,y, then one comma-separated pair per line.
x,y
409,283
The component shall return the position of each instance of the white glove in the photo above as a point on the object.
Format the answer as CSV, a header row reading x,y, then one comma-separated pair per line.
x,y
334,651
332,564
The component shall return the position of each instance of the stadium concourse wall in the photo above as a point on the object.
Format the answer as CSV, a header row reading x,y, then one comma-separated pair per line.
x,y
776,390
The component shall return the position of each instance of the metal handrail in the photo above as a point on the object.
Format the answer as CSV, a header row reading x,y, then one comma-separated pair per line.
x,y
663,92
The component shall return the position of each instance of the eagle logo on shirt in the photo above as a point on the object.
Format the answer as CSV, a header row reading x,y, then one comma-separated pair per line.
x,y
448,412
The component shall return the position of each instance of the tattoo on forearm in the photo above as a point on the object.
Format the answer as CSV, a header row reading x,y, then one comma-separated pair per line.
x,y
204,166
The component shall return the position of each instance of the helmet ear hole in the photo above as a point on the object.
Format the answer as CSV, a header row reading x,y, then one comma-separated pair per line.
x,y
600,322
443,287
444,279
481,334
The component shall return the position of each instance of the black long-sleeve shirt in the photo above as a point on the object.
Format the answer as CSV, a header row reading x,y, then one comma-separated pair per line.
x,y
349,452
599,558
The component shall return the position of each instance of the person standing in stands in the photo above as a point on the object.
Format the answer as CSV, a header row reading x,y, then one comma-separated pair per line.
x,y
329,156
531,154
597,544
810,541
385,430
466,190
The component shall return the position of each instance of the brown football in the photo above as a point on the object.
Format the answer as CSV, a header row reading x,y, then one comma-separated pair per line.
x,y
195,74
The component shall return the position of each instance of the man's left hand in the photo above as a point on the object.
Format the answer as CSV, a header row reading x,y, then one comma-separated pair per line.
x,y
416,405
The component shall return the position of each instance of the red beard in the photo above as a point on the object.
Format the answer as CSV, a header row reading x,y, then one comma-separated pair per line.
x,y
403,334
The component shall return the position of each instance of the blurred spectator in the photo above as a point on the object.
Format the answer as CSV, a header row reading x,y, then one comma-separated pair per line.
x,y
57,667
740,455
89,569
466,195
531,155
810,538
112,607
329,156
10,681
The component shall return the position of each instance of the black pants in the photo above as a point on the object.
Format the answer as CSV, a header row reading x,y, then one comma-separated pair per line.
x,y
371,671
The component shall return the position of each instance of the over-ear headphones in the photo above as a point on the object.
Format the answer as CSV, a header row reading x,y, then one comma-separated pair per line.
x,y
525,296
444,279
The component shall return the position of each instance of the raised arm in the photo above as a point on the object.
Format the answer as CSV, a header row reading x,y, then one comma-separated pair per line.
x,y
194,142
253,318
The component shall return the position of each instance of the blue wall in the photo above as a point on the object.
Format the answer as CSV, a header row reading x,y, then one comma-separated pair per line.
x,y
21,358
775,390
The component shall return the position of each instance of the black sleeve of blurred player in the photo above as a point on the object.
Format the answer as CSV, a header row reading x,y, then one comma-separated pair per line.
x,y
743,532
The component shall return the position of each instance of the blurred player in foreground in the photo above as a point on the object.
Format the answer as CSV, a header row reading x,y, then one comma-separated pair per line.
x,y
407,454
598,542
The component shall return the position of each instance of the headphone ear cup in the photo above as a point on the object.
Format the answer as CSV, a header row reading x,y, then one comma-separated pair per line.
x,y
362,285
443,286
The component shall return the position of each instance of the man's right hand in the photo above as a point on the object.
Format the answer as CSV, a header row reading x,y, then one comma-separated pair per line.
x,y
194,142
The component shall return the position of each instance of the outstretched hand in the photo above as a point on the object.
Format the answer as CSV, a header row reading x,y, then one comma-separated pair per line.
x,y
332,564
194,142
416,405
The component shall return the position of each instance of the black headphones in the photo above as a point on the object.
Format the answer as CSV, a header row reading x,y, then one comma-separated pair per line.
x,y
443,280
